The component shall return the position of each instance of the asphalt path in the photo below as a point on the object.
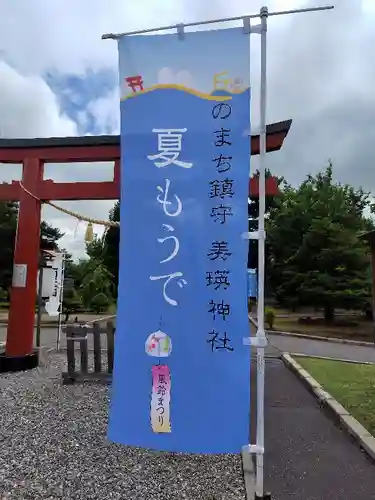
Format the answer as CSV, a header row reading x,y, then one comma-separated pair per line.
x,y
307,456
322,348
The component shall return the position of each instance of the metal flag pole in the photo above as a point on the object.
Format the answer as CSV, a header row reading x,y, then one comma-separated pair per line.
x,y
260,341
261,335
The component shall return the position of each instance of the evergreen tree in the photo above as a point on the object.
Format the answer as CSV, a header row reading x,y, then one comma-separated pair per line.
x,y
316,256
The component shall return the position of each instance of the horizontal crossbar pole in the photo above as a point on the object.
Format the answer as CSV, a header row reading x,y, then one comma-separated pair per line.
x,y
67,191
115,36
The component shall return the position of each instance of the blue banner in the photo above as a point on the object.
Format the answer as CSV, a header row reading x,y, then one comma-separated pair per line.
x,y
181,374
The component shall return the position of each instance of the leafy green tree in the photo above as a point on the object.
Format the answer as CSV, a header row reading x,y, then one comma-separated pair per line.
x,y
91,277
49,236
77,270
97,279
8,227
72,303
316,256
253,213
95,248
100,303
111,246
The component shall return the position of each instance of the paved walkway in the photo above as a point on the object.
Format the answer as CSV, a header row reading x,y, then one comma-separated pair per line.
x,y
322,348
307,456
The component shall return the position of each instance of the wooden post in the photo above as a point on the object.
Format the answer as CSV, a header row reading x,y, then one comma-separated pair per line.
x,y
84,350
97,348
110,345
71,357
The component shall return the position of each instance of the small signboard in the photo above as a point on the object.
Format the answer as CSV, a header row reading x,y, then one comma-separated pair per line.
x,y
19,275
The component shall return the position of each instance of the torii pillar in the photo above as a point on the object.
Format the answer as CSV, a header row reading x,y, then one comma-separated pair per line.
x,y
33,154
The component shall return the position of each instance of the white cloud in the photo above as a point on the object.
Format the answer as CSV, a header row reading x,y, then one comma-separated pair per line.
x,y
106,111
29,108
368,6
66,34
319,75
182,77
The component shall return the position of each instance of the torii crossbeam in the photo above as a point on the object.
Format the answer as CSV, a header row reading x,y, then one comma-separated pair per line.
x,y
33,154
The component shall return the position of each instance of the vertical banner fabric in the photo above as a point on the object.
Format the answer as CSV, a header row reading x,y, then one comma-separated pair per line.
x,y
52,284
181,374
252,283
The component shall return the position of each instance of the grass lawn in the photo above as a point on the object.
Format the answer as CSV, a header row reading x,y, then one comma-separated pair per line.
x,y
353,385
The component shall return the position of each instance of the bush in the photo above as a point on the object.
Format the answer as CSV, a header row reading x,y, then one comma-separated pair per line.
x,y
4,297
368,311
112,308
100,303
72,303
269,316
251,303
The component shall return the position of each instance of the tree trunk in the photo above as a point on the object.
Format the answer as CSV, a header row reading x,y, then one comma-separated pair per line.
x,y
329,313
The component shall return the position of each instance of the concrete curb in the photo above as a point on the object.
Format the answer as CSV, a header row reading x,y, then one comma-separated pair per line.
x,y
365,440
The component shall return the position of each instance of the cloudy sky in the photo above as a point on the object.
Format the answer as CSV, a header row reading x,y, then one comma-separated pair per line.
x,y
58,78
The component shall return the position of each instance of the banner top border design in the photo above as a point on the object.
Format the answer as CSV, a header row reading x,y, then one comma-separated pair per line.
x,y
175,86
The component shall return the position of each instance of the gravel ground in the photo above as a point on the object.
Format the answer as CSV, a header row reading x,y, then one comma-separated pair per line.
x,y
53,446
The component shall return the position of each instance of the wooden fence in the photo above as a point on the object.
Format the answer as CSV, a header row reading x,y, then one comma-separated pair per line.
x,y
85,335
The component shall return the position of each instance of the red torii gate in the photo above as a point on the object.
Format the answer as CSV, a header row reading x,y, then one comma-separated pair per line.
x,y
33,154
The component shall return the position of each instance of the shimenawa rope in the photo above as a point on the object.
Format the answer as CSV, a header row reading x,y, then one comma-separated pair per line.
x,y
90,220
78,216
